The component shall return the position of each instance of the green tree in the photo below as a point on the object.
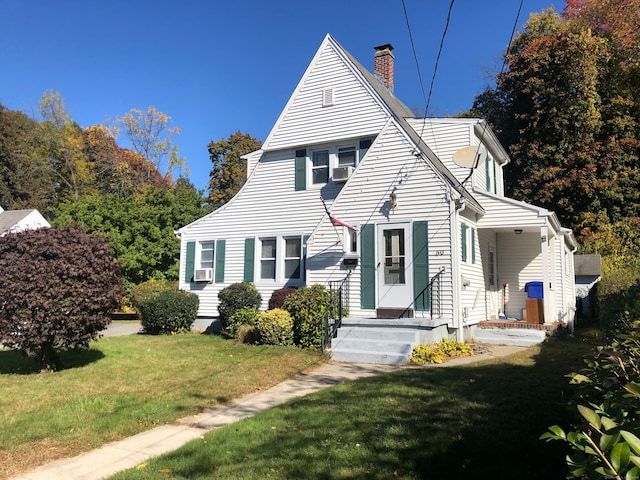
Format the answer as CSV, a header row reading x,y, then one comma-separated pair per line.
x,y
140,228
229,170
25,180
57,288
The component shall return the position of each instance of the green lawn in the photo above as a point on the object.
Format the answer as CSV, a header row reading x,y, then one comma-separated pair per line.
x,y
124,385
479,421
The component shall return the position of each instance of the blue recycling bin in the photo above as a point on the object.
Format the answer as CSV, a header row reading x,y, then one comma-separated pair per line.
x,y
534,289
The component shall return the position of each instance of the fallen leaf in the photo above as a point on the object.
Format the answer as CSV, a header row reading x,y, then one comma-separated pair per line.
x,y
141,466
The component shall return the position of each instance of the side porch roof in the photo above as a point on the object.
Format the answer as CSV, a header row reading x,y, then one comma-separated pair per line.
x,y
506,214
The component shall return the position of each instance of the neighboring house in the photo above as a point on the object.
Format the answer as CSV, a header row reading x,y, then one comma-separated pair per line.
x,y
13,221
432,238
588,274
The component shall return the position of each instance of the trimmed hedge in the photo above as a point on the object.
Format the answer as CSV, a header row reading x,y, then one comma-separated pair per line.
x,y
170,311
278,297
246,316
237,296
307,307
275,327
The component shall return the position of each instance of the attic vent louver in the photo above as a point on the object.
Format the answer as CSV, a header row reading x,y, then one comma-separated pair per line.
x,y
327,97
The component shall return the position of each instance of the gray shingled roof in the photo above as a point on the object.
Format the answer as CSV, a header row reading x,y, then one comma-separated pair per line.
x,y
9,218
401,112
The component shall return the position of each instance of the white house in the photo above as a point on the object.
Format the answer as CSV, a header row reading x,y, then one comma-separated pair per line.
x,y
418,218
14,221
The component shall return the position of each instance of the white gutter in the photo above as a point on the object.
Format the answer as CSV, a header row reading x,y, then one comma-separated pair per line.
x,y
456,205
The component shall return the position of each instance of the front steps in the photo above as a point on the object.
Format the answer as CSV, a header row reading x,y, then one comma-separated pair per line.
x,y
382,341
513,333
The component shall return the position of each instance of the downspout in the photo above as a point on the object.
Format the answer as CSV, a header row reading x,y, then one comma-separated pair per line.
x,y
546,278
456,205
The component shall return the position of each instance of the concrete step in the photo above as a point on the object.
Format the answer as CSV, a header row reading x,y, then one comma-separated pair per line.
x,y
363,344
375,333
518,337
365,356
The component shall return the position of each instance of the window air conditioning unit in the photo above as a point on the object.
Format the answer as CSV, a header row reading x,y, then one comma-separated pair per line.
x,y
203,275
342,174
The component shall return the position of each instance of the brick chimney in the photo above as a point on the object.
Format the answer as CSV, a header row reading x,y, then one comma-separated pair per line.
x,y
383,65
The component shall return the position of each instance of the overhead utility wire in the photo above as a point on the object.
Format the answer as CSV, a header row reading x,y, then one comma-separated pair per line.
x,y
504,64
435,68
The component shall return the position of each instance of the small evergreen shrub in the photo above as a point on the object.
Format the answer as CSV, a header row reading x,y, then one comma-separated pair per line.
x,y
275,327
244,316
151,288
307,307
247,334
170,311
237,296
440,351
278,297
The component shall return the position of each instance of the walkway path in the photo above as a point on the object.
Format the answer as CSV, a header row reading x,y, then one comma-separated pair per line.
x,y
128,453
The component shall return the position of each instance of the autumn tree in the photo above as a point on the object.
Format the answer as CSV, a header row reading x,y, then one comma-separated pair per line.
x,y
57,288
150,135
25,178
567,107
229,170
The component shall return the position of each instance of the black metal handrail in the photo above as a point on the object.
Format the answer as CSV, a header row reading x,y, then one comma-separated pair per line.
x,y
332,320
435,296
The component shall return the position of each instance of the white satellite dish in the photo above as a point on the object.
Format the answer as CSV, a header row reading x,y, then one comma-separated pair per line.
x,y
469,157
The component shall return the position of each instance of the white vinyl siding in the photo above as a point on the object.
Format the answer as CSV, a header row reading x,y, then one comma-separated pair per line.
x,y
364,200
305,121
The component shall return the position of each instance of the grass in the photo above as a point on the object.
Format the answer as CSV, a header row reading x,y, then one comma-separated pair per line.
x,y
124,385
475,421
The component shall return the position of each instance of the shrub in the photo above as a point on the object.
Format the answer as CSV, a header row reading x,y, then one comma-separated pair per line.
x,y
151,288
275,327
58,286
307,307
278,296
236,296
439,352
170,311
246,316
247,334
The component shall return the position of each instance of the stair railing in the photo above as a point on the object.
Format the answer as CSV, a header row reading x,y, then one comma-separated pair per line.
x,y
435,296
332,320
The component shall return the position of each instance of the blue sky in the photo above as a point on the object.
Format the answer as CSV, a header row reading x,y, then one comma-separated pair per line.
x,y
218,67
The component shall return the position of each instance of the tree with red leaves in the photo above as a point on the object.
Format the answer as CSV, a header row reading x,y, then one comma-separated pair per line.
x,y
57,288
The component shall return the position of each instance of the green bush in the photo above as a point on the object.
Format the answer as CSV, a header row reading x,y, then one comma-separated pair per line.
x,y
244,316
237,296
151,288
247,334
278,297
275,327
170,311
307,307
439,352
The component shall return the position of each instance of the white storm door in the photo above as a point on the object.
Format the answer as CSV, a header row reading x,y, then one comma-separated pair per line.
x,y
394,266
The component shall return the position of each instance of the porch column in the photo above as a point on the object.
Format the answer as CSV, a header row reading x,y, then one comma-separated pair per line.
x,y
549,307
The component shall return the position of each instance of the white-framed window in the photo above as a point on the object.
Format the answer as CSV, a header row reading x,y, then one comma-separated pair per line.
x,y
292,258
268,249
347,156
281,259
468,243
206,254
320,167
350,240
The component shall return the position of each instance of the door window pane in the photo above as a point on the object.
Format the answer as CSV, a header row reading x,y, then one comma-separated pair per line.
x,y
394,257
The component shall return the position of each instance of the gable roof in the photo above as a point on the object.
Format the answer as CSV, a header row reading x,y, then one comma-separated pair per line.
x,y
10,218
400,112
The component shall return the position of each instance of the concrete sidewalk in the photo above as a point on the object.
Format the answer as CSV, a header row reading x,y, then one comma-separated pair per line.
x,y
128,453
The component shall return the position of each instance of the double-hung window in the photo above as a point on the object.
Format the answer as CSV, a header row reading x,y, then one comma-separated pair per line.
x,y
292,257
320,167
268,259
347,156
207,250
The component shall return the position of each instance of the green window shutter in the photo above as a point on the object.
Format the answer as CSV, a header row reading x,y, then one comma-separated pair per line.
x,y
421,293
368,267
190,262
220,248
249,258
473,245
463,238
364,147
304,257
301,170
486,173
